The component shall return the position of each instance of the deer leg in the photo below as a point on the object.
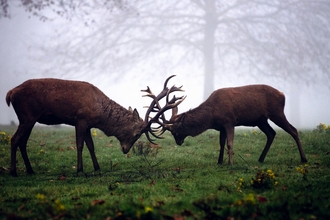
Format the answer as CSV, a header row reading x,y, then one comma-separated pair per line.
x,y
230,141
222,140
286,126
20,139
90,146
270,133
80,133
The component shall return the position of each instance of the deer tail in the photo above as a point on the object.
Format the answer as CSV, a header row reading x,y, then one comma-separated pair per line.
x,y
8,97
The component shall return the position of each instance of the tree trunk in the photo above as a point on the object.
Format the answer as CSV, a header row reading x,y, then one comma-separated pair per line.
x,y
209,46
295,106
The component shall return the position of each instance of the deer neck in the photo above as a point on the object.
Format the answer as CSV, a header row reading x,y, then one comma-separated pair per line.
x,y
114,118
198,120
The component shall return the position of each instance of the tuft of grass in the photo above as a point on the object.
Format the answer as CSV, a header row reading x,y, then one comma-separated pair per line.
x,y
166,181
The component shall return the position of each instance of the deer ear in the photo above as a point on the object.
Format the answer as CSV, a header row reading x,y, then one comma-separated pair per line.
x,y
136,116
174,111
130,109
181,118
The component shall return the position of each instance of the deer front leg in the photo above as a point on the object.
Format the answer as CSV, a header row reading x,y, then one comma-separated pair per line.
x,y
230,140
222,141
90,146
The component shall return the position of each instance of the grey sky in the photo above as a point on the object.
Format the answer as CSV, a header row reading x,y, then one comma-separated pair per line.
x,y
19,36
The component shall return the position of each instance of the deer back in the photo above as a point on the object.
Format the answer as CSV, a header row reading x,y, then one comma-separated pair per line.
x,y
55,101
244,105
229,106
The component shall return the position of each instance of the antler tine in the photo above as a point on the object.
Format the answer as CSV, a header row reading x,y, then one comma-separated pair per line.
x,y
147,90
159,118
153,105
155,101
149,139
173,89
166,107
152,132
166,81
173,102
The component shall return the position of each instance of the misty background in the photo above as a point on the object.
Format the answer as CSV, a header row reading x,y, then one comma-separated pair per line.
x,y
123,46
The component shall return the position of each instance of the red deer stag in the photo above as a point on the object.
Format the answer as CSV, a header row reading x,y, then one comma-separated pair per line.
x,y
226,108
80,104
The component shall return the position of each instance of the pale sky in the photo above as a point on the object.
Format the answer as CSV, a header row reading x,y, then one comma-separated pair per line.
x,y
19,36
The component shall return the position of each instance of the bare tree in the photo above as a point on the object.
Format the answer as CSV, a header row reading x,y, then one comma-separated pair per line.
x,y
283,39
67,9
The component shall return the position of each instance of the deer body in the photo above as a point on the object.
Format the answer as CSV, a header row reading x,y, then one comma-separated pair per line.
x,y
226,108
80,104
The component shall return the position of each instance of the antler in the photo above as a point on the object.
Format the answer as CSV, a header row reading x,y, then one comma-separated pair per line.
x,y
156,108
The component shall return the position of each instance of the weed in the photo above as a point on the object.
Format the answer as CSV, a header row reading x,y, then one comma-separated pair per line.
x,y
322,128
303,169
265,179
4,138
167,181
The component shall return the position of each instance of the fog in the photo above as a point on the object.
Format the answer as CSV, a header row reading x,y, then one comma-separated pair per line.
x,y
22,36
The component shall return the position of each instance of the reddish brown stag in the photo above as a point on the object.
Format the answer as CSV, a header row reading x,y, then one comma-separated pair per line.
x,y
226,108
80,104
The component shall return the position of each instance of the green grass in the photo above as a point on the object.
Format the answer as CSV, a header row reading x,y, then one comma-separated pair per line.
x,y
167,181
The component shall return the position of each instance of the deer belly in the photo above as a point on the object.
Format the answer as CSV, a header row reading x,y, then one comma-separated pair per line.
x,y
53,120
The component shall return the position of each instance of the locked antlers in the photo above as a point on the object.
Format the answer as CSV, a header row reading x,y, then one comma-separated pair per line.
x,y
156,108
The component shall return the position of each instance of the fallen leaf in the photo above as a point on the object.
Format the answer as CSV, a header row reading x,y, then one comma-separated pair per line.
x,y
152,183
75,198
71,148
177,188
160,203
61,178
114,165
177,169
262,199
21,207
3,169
97,202
179,218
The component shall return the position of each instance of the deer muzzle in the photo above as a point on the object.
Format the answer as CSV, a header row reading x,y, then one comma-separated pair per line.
x,y
125,149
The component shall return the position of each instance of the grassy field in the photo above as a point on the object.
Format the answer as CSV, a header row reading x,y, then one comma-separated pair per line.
x,y
168,181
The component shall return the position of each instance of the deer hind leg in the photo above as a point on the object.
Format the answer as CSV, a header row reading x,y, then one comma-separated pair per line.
x,y
80,136
282,122
20,139
222,141
90,146
270,133
230,130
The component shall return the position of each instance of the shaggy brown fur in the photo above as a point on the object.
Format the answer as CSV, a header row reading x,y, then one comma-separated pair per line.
x,y
226,108
80,104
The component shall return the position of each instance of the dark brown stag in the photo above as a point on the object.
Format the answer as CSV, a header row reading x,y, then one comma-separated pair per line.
x,y
80,104
226,108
